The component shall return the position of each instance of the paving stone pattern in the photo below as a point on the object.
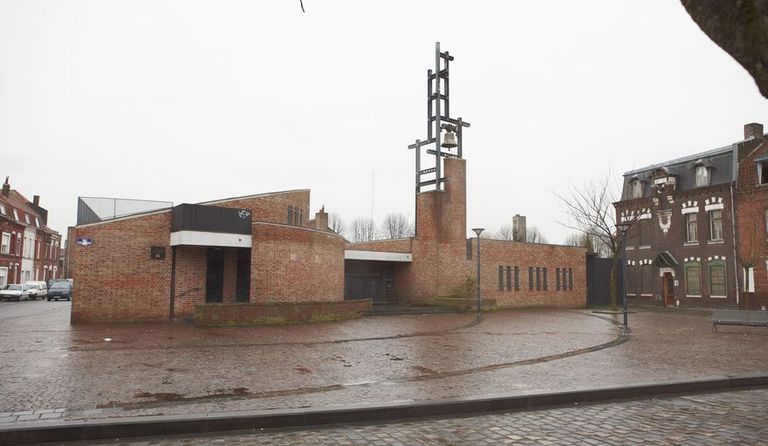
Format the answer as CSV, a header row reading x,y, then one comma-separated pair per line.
x,y
122,370
733,418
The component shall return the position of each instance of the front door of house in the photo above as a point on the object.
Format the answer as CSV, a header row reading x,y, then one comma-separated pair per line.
x,y
214,277
668,287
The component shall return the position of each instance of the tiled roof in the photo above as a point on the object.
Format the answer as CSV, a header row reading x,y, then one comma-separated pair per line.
x,y
18,201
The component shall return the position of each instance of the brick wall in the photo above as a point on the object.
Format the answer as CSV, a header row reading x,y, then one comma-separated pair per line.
x,y
752,202
293,264
397,245
270,207
115,278
278,313
499,253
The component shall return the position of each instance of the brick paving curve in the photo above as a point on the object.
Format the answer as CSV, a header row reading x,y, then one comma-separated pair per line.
x,y
732,418
50,369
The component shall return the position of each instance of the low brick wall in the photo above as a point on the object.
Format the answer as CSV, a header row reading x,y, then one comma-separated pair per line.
x,y
232,314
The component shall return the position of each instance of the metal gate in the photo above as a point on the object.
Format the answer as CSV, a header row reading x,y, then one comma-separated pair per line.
x,y
364,286
599,281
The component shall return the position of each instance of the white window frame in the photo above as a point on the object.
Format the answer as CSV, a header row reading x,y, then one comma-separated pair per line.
x,y
760,179
16,214
18,244
5,243
37,222
26,218
702,176
711,225
688,239
749,279
635,189
3,276
2,209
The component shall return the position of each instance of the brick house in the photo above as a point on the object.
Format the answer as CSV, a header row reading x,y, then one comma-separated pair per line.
x,y
259,259
693,227
29,249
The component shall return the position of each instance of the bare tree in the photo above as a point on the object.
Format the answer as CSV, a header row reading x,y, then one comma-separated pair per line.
x,y
336,224
504,233
396,226
533,235
575,239
363,230
591,210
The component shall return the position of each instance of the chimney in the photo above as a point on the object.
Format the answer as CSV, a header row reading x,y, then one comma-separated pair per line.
x,y
36,201
518,228
6,187
321,220
753,130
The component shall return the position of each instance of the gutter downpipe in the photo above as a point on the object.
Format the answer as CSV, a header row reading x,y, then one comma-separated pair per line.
x,y
733,221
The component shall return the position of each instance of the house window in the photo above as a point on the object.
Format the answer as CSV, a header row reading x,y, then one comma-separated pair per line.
x,y
5,244
18,244
557,279
702,176
538,279
2,209
691,225
501,278
26,218
762,172
37,222
16,214
509,278
635,189
3,277
645,232
693,279
544,274
716,225
717,284
749,279
570,279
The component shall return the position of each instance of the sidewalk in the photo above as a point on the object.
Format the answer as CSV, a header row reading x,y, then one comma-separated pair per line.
x,y
174,369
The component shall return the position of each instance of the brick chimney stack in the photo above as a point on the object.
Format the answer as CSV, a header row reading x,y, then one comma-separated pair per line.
x,y
6,187
753,130
36,201
321,220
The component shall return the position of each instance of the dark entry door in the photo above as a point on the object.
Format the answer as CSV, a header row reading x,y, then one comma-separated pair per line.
x,y
365,286
668,286
214,280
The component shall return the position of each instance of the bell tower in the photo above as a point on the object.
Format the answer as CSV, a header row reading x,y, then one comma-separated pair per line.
x,y
431,154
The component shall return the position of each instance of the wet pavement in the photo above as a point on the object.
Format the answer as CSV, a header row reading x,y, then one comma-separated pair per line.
x,y
732,418
50,369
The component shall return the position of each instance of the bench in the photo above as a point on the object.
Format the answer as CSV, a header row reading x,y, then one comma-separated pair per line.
x,y
750,318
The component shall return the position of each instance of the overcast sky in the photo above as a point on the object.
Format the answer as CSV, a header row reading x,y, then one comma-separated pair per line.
x,y
189,101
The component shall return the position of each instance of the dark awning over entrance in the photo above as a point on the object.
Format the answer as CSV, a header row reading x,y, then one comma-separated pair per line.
x,y
665,260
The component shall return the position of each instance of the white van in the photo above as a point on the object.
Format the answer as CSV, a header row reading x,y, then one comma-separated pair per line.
x,y
40,289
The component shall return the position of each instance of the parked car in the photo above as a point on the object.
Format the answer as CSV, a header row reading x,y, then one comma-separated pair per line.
x,y
41,289
60,290
17,292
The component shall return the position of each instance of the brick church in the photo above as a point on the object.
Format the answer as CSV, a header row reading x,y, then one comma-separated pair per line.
x,y
262,259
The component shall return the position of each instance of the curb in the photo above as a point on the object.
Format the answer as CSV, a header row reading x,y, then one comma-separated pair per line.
x,y
122,428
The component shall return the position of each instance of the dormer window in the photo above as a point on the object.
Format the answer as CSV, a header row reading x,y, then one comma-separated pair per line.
x,y
635,189
702,176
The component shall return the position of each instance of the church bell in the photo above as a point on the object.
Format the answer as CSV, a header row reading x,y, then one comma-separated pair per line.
x,y
449,141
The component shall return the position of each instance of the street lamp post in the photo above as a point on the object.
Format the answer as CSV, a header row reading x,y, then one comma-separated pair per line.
x,y
622,228
478,231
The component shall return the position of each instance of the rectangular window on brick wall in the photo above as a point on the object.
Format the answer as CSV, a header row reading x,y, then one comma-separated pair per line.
x,y
564,279
570,279
717,282
691,228
693,279
5,244
538,279
517,278
530,278
509,278
501,278
544,274
557,279
645,229
715,225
